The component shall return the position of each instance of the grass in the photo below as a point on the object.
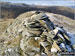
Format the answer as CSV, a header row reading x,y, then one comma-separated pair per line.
x,y
4,24
14,41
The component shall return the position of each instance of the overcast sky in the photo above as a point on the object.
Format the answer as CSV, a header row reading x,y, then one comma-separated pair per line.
x,y
45,2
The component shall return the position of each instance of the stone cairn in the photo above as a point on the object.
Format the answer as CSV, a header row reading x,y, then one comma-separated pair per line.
x,y
32,34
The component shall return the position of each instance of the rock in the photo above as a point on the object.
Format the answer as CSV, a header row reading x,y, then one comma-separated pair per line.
x,y
30,47
11,52
56,47
54,50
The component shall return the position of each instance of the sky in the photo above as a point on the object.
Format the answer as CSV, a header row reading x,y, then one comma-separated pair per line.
x,y
44,2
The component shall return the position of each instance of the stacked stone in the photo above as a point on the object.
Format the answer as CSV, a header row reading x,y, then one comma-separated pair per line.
x,y
37,41
36,34
30,31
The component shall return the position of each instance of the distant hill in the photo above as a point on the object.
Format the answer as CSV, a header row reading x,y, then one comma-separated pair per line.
x,y
72,7
12,10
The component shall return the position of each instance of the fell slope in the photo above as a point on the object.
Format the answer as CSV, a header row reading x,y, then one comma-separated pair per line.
x,y
12,10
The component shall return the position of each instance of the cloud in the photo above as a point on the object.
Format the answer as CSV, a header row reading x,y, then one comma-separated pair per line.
x,y
45,2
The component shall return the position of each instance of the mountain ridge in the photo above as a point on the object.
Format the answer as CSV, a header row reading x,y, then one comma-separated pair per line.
x,y
14,9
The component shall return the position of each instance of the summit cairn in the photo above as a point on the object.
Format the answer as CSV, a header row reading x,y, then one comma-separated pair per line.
x,y
32,34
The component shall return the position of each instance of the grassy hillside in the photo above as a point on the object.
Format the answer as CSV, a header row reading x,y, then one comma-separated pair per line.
x,y
12,10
